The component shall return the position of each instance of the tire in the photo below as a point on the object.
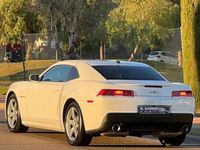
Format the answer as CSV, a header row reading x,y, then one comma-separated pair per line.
x,y
74,126
172,141
13,117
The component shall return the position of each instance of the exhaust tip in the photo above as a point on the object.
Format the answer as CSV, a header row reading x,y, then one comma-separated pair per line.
x,y
185,129
116,128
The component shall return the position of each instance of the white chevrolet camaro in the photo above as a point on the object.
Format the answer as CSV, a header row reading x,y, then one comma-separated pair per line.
x,y
86,98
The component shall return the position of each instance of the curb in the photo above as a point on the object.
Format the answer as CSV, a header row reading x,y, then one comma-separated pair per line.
x,y
196,120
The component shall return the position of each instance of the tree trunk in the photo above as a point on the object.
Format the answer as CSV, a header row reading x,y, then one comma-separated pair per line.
x,y
73,39
102,50
190,20
132,57
29,48
72,46
54,30
30,43
59,51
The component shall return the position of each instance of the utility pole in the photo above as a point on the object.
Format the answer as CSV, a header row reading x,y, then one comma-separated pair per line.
x,y
23,56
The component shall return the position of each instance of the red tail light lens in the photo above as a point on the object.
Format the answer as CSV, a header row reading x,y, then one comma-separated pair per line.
x,y
115,92
182,94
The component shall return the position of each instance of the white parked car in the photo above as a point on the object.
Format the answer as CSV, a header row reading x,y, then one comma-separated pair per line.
x,y
163,56
90,98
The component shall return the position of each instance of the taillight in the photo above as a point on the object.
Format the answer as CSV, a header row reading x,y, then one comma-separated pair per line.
x,y
115,92
182,94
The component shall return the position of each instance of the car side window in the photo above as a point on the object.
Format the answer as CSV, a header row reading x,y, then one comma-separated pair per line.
x,y
73,74
164,54
154,53
58,73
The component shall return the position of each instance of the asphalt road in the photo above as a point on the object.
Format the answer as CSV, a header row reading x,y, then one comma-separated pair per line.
x,y
37,139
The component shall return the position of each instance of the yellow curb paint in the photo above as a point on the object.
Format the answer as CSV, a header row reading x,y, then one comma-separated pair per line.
x,y
1,106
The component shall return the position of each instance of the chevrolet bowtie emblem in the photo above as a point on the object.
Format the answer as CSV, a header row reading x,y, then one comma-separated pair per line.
x,y
154,92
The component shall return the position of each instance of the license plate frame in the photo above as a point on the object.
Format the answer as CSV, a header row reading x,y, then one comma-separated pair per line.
x,y
153,109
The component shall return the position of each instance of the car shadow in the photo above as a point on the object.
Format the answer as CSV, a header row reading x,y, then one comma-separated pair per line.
x,y
99,143
109,142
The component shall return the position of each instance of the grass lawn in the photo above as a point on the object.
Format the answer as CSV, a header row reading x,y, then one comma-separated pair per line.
x,y
8,69
173,73
3,90
11,72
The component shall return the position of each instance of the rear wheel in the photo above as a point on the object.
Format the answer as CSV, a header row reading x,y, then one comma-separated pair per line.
x,y
13,117
74,126
172,141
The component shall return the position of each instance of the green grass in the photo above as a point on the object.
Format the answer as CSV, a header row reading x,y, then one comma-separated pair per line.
x,y
3,90
173,73
12,72
8,69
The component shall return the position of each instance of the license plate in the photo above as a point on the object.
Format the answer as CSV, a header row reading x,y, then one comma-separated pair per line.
x,y
153,109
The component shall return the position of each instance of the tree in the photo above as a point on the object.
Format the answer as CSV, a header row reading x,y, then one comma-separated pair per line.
x,y
52,15
75,18
143,22
190,28
16,18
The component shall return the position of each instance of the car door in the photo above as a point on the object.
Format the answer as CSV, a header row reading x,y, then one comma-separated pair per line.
x,y
43,96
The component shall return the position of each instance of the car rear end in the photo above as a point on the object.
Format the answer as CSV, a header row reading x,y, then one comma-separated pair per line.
x,y
137,100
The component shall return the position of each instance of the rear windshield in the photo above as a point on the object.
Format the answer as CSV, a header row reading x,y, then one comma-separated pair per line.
x,y
128,73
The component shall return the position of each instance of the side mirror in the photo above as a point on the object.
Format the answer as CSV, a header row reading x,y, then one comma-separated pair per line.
x,y
34,77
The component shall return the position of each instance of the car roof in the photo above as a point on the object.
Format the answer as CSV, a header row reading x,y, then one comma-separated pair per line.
x,y
102,63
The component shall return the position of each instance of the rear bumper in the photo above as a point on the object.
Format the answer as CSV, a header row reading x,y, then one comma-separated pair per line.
x,y
147,124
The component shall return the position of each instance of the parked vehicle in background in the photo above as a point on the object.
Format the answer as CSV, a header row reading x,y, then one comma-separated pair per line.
x,y
14,53
163,56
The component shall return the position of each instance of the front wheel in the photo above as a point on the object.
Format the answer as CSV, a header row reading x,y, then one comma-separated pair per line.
x,y
74,126
172,141
13,117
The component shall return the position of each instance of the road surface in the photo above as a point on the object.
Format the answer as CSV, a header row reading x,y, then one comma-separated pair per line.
x,y
37,139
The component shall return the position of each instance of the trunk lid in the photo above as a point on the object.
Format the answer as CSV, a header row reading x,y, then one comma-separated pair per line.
x,y
144,88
